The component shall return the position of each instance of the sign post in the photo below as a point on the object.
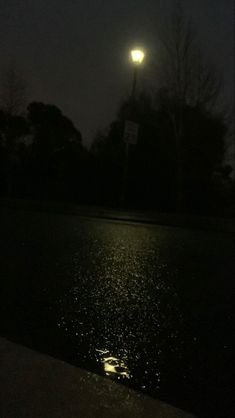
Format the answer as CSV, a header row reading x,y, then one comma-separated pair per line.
x,y
130,136
131,130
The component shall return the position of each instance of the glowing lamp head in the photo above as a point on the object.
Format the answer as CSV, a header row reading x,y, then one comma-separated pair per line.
x,y
137,56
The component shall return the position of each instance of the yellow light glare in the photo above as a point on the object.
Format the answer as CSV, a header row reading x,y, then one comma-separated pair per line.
x,y
109,368
137,56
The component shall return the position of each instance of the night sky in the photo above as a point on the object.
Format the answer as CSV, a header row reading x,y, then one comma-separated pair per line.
x,y
74,54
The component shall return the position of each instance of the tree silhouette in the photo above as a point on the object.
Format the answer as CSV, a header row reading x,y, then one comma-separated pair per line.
x,y
186,81
57,154
13,130
153,164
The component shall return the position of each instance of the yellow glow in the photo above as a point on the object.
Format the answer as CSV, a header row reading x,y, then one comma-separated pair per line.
x,y
113,365
109,368
137,56
116,366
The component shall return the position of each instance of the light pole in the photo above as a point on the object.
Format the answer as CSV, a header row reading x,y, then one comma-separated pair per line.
x,y
137,56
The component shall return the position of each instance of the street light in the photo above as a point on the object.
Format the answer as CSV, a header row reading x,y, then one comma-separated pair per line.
x,y
137,57
131,128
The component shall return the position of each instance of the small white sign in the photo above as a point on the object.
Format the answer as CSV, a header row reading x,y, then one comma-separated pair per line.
x,y
131,132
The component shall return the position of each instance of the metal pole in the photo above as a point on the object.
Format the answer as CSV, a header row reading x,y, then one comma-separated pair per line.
x,y
126,155
133,92
125,177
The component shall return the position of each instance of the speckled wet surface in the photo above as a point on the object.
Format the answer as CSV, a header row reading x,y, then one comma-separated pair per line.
x,y
148,306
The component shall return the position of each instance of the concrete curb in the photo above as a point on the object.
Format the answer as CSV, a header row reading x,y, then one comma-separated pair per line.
x,y
167,219
33,385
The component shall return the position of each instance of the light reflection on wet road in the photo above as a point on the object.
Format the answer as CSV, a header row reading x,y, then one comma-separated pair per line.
x,y
122,301
148,306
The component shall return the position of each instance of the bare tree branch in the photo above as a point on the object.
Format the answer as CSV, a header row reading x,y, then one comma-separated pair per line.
x,y
185,74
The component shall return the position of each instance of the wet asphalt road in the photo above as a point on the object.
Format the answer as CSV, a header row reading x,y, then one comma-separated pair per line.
x,y
149,306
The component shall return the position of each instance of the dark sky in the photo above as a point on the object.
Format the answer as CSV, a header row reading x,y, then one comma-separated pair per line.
x,y
75,53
